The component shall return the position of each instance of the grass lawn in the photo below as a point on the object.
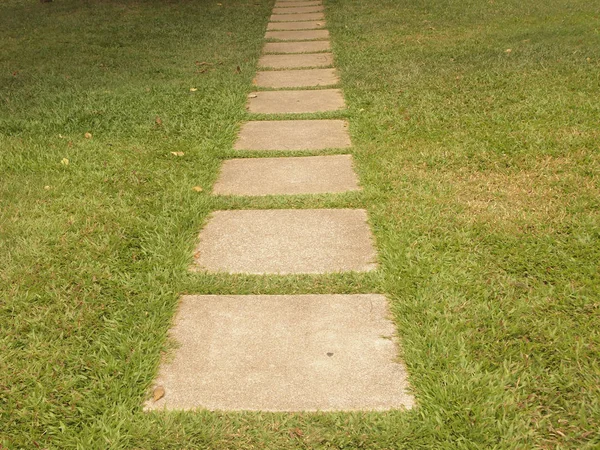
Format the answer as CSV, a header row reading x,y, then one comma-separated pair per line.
x,y
475,125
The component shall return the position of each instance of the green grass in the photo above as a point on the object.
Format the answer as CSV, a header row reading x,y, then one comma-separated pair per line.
x,y
481,175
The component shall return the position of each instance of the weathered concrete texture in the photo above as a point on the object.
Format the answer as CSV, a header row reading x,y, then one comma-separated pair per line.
x,y
298,4
287,176
283,353
279,102
310,25
306,35
296,47
296,61
297,17
293,135
303,10
286,241
296,78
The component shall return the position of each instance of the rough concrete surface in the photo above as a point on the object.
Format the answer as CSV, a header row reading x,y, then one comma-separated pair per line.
x,y
306,35
297,4
287,176
296,47
286,241
308,25
293,135
283,353
296,61
296,78
304,10
284,102
296,17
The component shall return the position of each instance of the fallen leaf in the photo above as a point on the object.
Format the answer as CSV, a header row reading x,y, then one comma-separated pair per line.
x,y
177,153
193,89
158,121
47,188
61,136
159,392
508,50
252,96
64,162
88,135
197,188
238,69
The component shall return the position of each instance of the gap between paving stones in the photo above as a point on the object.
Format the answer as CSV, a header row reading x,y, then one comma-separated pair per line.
x,y
296,17
296,47
308,35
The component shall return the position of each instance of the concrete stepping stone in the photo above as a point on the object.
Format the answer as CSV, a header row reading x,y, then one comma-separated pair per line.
x,y
311,25
286,241
297,4
296,78
284,102
296,61
293,135
283,353
287,176
303,10
303,35
297,17
296,47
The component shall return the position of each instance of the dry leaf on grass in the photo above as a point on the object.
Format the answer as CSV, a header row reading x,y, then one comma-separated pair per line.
x,y
177,153
197,188
64,162
158,121
193,89
88,135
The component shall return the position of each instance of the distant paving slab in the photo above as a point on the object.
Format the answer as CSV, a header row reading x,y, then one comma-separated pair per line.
x,y
309,25
282,102
297,4
297,17
286,241
293,135
283,353
303,35
287,176
296,47
296,78
303,10
296,61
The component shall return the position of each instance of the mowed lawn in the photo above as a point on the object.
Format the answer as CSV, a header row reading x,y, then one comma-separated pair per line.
x,y
476,137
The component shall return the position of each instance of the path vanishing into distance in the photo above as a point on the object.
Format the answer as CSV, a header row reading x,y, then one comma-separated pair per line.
x,y
286,352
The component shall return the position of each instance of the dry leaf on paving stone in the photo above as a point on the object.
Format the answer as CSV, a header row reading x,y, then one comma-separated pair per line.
x,y
177,153
197,188
159,392
88,135
253,96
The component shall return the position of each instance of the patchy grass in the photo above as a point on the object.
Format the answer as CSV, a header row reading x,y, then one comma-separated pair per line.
x,y
480,169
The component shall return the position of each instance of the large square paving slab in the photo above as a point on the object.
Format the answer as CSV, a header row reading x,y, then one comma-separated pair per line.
x,y
305,35
297,17
283,353
287,176
296,47
284,102
293,135
296,61
286,241
296,78
302,10
310,25
298,4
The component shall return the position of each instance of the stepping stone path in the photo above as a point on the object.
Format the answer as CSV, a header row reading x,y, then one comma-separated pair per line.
x,y
286,352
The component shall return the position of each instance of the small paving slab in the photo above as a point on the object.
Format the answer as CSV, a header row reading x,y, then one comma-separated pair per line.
x,y
310,25
303,35
296,47
297,17
303,10
296,61
287,176
286,241
293,135
283,353
296,78
283,102
297,4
